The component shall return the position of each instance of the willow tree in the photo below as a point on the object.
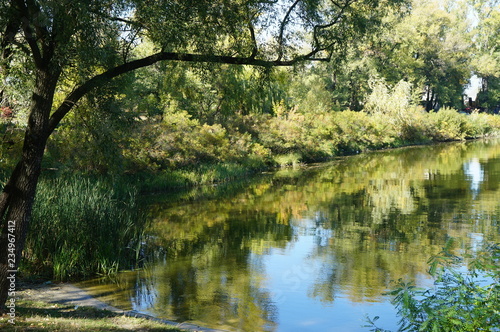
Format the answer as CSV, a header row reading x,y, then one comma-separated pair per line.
x,y
70,47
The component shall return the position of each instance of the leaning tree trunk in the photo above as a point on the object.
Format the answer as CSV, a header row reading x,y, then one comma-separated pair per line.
x,y
17,198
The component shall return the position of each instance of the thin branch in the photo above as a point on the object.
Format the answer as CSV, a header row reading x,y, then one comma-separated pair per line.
x,y
124,20
22,46
9,37
29,34
119,19
129,44
336,20
335,4
282,29
42,33
255,48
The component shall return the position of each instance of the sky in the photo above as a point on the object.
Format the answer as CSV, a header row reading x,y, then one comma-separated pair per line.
x,y
473,88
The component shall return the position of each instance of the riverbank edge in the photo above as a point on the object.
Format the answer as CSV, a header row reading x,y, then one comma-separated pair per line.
x,y
150,184
68,294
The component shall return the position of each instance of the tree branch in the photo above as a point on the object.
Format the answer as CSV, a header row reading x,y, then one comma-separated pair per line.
x,y
255,48
282,29
105,77
127,21
337,18
9,37
129,44
43,35
29,34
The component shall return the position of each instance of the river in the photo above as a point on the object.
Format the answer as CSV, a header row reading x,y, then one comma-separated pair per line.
x,y
311,249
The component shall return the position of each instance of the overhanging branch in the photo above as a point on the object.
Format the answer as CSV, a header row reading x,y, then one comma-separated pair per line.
x,y
338,17
105,77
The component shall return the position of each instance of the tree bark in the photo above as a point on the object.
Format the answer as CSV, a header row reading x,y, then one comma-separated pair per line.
x,y
17,198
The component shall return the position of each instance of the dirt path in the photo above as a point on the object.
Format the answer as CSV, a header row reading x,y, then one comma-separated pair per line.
x,y
64,293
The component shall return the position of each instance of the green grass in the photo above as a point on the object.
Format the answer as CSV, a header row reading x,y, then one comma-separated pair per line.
x,y
41,316
201,174
81,227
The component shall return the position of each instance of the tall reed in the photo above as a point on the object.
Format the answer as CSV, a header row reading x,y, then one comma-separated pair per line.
x,y
82,227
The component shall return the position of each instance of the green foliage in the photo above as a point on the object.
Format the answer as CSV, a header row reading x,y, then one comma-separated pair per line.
x,y
393,102
459,301
11,138
189,177
177,120
292,159
81,227
181,150
486,58
359,131
448,124
180,141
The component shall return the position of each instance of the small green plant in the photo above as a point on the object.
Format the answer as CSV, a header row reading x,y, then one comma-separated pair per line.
x,y
459,301
286,160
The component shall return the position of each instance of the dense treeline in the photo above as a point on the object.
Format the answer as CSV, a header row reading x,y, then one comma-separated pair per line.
x,y
175,142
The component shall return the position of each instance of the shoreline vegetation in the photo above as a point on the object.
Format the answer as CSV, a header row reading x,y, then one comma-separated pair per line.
x,y
291,139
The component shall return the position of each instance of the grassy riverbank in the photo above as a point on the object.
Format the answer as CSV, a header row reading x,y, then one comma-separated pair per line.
x,y
42,316
262,142
201,154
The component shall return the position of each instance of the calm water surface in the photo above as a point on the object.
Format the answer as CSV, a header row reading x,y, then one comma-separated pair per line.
x,y
313,249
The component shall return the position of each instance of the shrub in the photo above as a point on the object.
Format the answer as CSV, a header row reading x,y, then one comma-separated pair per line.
x,y
291,159
479,125
459,301
448,124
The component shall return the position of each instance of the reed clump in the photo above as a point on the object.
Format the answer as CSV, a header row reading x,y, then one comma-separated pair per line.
x,y
83,226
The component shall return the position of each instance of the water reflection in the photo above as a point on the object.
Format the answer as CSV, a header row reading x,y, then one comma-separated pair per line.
x,y
475,174
313,250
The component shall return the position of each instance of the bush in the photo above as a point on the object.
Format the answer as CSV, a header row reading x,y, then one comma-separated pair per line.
x,y
291,159
479,125
448,125
458,302
359,131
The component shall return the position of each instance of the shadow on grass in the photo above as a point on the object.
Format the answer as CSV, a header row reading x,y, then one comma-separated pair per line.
x,y
39,316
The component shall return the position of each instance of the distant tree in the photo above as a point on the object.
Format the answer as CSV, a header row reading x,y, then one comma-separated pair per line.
x,y
429,48
68,47
486,62
428,44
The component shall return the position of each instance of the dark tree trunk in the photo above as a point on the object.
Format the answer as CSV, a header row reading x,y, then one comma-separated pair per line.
x,y
431,99
17,198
